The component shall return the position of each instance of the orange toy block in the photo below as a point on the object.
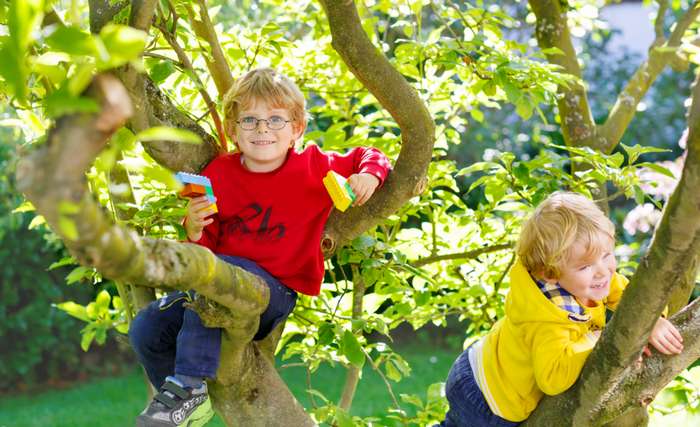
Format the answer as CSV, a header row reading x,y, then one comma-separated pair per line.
x,y
193,190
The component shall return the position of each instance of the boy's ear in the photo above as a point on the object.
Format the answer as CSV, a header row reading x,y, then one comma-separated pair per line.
x,y
299,128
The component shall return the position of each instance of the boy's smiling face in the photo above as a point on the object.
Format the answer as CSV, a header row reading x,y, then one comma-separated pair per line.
x,y
264,149
587,273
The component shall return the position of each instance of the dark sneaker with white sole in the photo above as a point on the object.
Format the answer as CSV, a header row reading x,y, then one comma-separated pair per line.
x,y
177,405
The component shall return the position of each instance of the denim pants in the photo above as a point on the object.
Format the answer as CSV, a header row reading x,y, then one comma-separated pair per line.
x,y
171,339
468,407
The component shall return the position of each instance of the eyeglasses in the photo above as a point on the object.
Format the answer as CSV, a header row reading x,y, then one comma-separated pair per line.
x,y
273,123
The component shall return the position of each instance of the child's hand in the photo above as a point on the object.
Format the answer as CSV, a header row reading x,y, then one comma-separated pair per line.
x,y
363,185
665,338
196,217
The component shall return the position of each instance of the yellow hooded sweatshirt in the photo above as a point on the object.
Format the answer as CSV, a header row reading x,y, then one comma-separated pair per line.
x,y
537,348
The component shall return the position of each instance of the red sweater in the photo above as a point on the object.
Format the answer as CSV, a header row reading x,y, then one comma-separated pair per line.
x,y
276,218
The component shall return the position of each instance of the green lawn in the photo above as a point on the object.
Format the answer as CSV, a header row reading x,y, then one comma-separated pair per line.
x,y
115,402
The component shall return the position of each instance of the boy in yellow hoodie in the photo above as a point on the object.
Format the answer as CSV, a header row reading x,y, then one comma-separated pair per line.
x,y
562,283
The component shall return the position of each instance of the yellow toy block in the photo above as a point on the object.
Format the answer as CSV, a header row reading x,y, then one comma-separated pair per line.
x,y
339,190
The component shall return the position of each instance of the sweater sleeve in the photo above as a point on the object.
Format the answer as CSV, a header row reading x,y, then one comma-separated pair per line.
x,y
557,360
358,160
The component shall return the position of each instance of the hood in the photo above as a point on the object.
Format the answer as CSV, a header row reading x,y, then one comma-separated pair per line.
x,y
526,302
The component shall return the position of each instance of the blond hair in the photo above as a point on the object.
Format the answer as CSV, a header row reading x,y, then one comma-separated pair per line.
x,y
561,220
263,84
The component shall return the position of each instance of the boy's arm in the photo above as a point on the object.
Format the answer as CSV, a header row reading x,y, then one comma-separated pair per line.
x,y
210,234
358,160
557,360
618,283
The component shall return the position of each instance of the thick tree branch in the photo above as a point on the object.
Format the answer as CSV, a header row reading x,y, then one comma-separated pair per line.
x,y
642,381
217,64
102,11
625,107
142,12
552,30
375,72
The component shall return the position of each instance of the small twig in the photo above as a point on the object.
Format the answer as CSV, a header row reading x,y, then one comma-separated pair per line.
x,y
461,255
497,285
171,38
659,23
386,382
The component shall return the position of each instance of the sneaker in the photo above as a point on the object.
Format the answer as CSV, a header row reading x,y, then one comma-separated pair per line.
x,y
175,405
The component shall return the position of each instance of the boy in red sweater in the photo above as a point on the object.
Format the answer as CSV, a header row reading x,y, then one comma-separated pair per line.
x,y
272,207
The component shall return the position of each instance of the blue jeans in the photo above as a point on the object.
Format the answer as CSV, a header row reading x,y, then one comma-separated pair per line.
x,y
171,339
468,408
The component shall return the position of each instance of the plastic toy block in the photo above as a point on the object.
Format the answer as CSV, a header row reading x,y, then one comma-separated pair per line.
x,y
193,190
197,185
339,190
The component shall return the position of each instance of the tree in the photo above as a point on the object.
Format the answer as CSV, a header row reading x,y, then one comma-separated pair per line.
x,y
468,68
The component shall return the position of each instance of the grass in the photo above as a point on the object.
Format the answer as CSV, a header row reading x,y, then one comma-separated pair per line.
x,y
112,402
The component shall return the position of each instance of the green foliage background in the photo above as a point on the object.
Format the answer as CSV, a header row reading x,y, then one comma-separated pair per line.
x,y
498,153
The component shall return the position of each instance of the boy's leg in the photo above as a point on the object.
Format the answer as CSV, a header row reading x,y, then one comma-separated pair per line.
x,y
468,407
184,400
198,350
282,299
153,335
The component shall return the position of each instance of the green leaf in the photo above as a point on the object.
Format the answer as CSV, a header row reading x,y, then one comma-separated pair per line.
x,y
68,228
77,274
478,167
26,206
102,301
81,78
326,333
36,221
68,260
617,159
343,419
634,151
658,168
76,310
391,372
72,40
122,44
23,18
162,133
435,392
122,328
62,102
350,347
523,108
552,51
87,339
476,115
161,71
